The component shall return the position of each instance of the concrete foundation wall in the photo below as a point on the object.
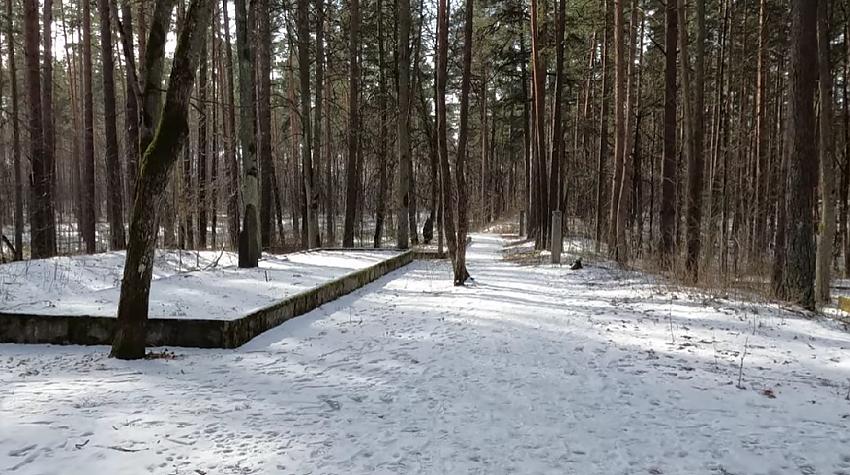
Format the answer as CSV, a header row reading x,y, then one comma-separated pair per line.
x,y
198,333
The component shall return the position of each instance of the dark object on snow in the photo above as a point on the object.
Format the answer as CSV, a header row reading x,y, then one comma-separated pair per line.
x,y
577,264
428,230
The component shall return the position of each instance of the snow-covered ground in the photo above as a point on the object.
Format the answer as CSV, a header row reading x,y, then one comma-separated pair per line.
x,y
533,369
188,284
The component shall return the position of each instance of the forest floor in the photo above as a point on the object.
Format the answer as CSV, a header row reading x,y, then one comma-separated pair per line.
x,y
530,369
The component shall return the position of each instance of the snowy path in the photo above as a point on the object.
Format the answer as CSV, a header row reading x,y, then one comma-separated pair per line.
x,y
531,370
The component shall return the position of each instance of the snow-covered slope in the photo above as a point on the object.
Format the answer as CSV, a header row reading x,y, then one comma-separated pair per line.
x,y
530,370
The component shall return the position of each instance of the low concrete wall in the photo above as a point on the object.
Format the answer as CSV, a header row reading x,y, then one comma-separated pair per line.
x,y
199,333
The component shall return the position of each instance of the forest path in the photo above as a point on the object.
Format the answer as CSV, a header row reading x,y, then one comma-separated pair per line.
x,y
530,369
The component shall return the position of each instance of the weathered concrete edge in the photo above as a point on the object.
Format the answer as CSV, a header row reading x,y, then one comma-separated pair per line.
x,y
198,333
238,332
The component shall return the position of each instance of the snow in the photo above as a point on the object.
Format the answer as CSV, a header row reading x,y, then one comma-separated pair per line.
x,y
531,369
199,285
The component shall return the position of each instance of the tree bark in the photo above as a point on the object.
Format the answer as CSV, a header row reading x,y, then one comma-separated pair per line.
x,y
541,191
826,151
352,166
310,190
318,149
133,95
88,188
603,130
16,135
249,236
761,193
114,187
557,146
405,164
380,206
47,121
448,216
460,271
616,247
264,145
233,209
42,241
799,269
696,163
159,159
202,157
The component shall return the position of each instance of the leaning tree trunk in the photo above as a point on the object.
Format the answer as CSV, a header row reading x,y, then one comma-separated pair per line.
x,y
826,150
132,97
159,159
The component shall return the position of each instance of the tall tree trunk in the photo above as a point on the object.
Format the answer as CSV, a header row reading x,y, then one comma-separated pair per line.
x,y
557,148
43,242
114,187
330,185
845,185
624,193
696,164
352,166
539,96
380,206
603,130
264,145
447,196
16,135
616,248
826,150
460,272
49,127
88,188
132,97
799,269
318,150
761,194
159,158
310,190
203,110
185,200
249,236
526,138
405,164
233,209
